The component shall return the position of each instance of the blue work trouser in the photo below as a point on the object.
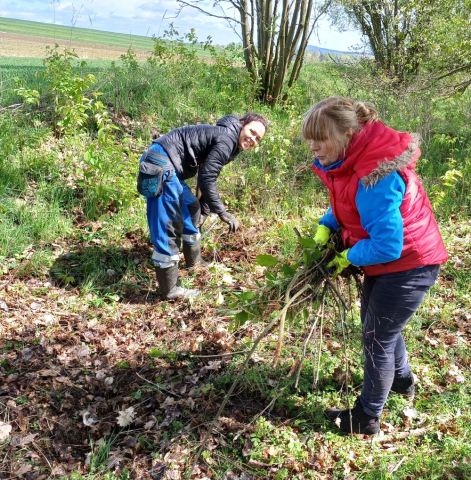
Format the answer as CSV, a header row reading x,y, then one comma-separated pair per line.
x,y
388,302
172,218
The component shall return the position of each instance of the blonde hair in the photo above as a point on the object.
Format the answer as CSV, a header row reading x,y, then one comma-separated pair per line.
x,y
333,117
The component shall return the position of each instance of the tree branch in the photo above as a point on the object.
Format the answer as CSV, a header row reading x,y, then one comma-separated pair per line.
x,y
222,17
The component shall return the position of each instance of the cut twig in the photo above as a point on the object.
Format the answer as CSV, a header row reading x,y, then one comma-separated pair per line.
x,y
417,432
342,310
304,276
308,338
264,333
281,328
398,464
317,365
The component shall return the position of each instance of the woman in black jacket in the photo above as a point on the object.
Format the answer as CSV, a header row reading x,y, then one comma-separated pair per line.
x,y
173,212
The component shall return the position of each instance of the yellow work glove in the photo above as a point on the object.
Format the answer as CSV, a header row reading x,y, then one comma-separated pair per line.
x,y
322,235
340,262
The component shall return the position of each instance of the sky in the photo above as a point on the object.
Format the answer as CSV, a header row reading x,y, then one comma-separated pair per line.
x,y
148,18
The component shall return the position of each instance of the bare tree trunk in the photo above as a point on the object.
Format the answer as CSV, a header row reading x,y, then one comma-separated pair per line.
x,y
247,43
299,59
273,34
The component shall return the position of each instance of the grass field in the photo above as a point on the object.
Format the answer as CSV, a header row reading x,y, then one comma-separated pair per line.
x,y
75,34
24,38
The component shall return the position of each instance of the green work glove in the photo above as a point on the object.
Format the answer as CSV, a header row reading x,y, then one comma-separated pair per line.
x,y
340,262
322,235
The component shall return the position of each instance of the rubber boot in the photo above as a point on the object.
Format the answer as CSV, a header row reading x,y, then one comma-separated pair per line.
x,y
170,286
362,422
192,254
404,386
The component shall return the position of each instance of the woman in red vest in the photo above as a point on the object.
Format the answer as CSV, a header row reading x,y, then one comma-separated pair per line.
x,y
388,229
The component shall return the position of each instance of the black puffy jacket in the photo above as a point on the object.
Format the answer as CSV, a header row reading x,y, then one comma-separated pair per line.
x,y
208,147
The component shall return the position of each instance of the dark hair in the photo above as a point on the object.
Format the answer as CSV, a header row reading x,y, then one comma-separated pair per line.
x,y
254,117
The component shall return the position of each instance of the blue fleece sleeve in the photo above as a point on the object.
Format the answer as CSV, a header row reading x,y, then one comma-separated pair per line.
x,y
381,218
329,220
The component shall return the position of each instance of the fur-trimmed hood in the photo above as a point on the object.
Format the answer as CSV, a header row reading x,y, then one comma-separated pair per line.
x,y
378,150
408,158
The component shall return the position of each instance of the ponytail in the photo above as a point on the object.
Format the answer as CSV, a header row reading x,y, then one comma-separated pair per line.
x,y
365,112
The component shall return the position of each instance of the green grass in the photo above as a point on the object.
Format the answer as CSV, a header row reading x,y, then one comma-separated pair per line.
x,y
77,34
38,63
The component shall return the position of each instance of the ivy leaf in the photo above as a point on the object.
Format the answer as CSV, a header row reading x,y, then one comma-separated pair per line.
x,y
267,260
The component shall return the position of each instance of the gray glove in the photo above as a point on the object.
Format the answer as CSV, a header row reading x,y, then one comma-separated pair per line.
x,y
230,220
202,219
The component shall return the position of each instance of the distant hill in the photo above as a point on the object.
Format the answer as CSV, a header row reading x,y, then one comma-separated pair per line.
x,y
314,49
74,34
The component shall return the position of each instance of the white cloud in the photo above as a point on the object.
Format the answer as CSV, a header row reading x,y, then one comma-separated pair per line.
x,y
151,7
61,7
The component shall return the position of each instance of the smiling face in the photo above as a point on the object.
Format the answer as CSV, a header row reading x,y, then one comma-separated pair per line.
x,y
251,134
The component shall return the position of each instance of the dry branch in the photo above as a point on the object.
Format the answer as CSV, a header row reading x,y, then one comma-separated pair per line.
x,y
264,333
417,432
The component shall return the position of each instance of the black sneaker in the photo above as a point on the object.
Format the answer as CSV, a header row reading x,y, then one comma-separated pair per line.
x,y
361,423
404,386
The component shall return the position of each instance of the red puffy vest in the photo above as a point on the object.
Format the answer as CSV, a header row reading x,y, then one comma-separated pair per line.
x,y
375,152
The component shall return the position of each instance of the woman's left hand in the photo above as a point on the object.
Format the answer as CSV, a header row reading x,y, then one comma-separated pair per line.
x,y
340,262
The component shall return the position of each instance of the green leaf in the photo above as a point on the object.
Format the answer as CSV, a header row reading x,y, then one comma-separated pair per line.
x,y
267,260
307,242
287,270
270,276
155,353
241,318
306,256
244,295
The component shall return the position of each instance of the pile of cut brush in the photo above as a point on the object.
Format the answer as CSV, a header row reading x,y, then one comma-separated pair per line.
x,y
300,287
304,287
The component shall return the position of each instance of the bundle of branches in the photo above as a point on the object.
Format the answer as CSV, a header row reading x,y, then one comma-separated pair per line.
x,y
304,285
290,289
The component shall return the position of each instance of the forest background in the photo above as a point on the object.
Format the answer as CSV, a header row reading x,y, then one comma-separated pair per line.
x,y
103,380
